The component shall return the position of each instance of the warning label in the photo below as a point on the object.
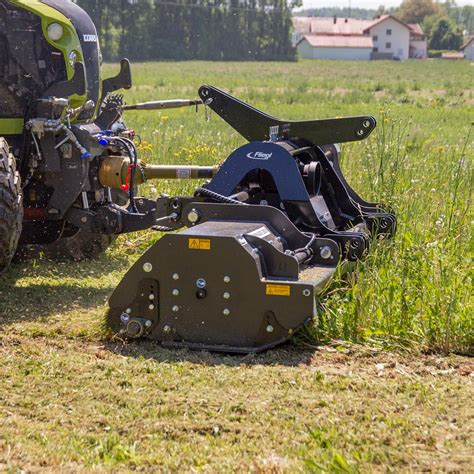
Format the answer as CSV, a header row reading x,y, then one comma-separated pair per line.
x,y
278,290
200,244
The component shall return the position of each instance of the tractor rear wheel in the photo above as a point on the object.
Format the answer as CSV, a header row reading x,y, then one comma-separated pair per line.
x,y
11,205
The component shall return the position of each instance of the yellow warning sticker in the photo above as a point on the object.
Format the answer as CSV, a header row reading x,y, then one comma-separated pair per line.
x,y
278,290
200,244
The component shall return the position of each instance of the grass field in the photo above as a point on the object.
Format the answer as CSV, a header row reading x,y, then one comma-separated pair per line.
x,y
382,383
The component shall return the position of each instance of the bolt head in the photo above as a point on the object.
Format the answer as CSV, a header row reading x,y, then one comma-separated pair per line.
x,y
360,132
175,276
84,219
175,292
226,312
201,283
270,328
167,329
325,252
194,216
128,310
147,267
125,318
227,279
151,307
366,124
148,323
306,292
175,308
226,295
151,296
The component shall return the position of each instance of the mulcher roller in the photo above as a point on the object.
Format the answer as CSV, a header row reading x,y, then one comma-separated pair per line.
x,y
261,241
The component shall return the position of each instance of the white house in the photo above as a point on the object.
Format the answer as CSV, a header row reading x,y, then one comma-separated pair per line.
x,y
468,49
348,38
336,47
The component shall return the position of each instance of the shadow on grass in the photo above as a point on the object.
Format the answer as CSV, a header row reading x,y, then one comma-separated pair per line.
x,y
38,289
290,354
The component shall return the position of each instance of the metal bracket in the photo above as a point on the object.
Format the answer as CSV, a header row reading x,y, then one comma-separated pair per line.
x,y
255,125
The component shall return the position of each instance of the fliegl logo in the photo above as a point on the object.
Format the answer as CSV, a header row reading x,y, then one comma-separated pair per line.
x,y
259,155
90,38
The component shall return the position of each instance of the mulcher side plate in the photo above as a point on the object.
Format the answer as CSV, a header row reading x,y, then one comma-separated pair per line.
x,y
205,288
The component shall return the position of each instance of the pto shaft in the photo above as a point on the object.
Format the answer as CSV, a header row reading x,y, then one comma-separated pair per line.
x,y
163,104
115,172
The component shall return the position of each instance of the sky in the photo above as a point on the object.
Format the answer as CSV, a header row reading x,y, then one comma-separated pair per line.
x,y
363,3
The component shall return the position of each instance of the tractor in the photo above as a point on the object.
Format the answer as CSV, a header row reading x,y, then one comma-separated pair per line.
x,y
264,232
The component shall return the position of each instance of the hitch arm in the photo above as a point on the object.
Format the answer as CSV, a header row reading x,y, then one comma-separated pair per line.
x,y
255,125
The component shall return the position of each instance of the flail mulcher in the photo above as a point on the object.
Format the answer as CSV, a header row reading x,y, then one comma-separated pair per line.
x,y
262,237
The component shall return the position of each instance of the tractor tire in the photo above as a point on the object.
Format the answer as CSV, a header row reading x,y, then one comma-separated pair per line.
x,y
11,205
77,244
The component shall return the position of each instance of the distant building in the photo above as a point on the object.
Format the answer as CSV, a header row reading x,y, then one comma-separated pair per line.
x,y
348,38
468,49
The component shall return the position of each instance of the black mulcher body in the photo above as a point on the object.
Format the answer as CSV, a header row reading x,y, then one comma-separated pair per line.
x,y
262,236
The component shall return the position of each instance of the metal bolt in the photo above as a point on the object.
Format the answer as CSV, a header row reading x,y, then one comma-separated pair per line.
x,y
366,124
226,295
175,276
226,312
227,279
84,219
151,296
360,132
175,308
325,252
175,292
264,202
167,329
128,310
201,283
125,318
194,216
148,323
151,307
306,292
269,328
147,267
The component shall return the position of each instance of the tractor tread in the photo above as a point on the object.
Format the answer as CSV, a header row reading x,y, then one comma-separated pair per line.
x,y
11,205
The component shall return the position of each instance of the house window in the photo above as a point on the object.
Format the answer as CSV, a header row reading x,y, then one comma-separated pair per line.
x,y
375,38
388,45
376,50
389,32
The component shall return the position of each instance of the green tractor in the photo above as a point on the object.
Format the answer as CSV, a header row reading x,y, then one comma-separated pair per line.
x,y
59,121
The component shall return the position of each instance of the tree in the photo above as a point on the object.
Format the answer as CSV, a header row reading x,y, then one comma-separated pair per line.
x,y
445,35
415,11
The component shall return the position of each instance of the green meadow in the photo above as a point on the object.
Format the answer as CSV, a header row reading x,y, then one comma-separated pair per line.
x,y
382,381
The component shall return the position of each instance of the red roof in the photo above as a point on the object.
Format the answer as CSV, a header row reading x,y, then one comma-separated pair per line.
x,y
416,28
343,26
327,25
338,41
381,19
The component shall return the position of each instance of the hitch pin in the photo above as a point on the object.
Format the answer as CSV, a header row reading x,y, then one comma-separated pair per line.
x,y
172,217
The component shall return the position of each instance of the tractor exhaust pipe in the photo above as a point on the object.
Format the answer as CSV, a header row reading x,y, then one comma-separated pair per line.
x,y
114,171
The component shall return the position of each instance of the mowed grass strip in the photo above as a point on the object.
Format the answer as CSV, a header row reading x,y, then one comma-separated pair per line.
x,y
70,405
73,400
